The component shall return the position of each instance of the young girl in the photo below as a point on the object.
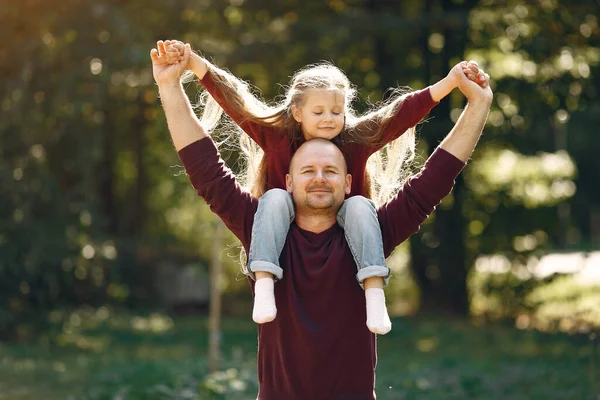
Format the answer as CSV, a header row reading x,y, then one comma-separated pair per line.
x,y
318,105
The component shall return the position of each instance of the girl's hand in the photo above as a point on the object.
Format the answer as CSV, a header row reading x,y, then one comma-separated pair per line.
x,y
475,83
474,73
471,70
174,51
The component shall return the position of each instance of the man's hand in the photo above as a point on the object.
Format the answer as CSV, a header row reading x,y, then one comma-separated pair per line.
x,y
479,91
175,51
470,69
183,124
164,72
463,138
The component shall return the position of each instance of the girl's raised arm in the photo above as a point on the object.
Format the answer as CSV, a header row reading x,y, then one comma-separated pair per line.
x,y
229,92
405,111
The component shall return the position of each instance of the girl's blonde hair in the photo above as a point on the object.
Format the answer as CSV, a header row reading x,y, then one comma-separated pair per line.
x,y
384,174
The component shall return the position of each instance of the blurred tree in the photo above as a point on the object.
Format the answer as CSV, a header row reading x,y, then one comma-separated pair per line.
x,y
82,153
544,58
87,184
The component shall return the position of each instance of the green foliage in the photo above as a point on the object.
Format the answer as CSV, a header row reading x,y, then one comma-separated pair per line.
x,y
87,168
426,357
89,180
558,302
544,62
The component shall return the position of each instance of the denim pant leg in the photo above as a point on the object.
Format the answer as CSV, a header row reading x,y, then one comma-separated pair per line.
x,y
269,232
358,217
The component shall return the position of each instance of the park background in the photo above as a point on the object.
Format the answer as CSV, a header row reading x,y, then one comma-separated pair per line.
x,y
107,255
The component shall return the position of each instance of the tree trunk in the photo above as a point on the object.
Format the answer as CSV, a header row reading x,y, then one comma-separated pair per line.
x,y
438,255
214,316
137,209
106,176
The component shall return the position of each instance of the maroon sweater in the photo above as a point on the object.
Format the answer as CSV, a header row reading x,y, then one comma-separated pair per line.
x,y
279,148
318,347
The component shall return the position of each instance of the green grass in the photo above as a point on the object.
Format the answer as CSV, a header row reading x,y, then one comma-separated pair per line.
x,y
99,355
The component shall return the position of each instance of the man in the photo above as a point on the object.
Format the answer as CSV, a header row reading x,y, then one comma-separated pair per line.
x,y
319,346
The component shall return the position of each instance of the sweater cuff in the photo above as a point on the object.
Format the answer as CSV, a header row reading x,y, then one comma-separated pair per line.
x,y
447,165
207,80
199,150
426,98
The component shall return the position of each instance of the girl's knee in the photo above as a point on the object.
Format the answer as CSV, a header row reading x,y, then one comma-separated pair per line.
x,y
277,200
275,196
359,205
356,210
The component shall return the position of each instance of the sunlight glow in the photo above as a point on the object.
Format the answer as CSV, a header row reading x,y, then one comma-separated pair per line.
x,y
88,251
543,179
583,266
155,323
96,66
589,274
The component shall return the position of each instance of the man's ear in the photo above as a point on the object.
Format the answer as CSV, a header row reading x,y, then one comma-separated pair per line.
x,y
288,183
348,183
296,113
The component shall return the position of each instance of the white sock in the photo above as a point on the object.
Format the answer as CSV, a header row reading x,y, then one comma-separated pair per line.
x,y
264,301
378,320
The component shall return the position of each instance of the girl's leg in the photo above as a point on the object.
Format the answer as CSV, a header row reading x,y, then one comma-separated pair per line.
x,y
271,225
358,217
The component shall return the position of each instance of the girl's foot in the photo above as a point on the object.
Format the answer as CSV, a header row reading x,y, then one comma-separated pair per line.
x,y
378,320
264,301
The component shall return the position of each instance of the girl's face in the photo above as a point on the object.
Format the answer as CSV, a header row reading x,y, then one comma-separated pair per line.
x,y
321,114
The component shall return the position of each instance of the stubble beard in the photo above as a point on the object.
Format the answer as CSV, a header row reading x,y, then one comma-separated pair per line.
x,y
313,207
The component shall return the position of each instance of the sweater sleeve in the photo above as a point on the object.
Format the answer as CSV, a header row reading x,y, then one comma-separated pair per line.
x,y
262,135
411,111
402,216
217,185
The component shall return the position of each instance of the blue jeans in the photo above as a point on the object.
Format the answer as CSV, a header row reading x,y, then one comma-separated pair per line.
x,y
357,216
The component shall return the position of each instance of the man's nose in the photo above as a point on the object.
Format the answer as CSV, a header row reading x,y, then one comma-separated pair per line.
x,y
319,176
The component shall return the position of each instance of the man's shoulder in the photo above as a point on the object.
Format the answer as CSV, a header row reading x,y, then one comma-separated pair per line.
x,y
215,182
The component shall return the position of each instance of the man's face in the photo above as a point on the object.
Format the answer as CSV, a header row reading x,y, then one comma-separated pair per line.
x,y
318,180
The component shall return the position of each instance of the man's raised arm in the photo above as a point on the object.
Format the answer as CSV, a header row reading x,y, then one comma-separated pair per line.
x,y
421,194
183,124
462,139
206,170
